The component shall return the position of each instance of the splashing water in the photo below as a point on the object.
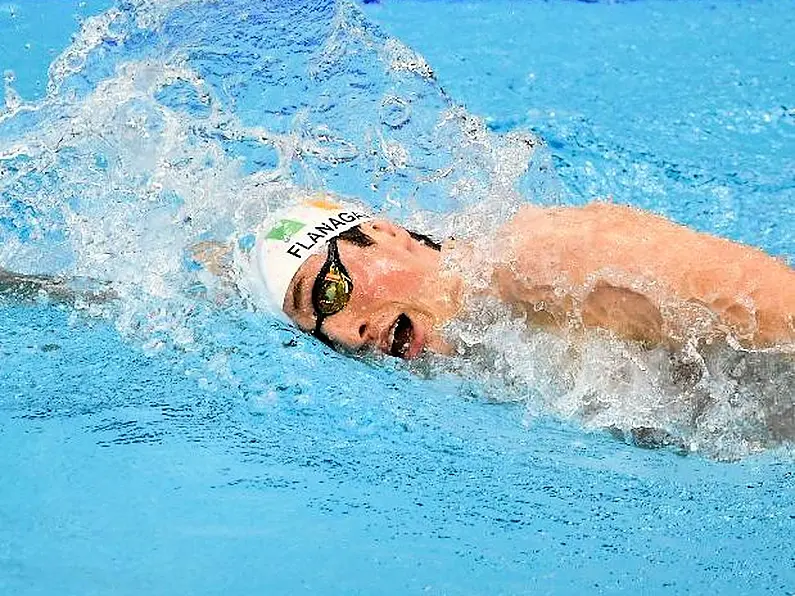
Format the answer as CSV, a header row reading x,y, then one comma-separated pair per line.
x,y
715,399
169,123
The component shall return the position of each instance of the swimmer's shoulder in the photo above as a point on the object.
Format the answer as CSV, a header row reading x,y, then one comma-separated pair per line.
x,y
537,219
599,222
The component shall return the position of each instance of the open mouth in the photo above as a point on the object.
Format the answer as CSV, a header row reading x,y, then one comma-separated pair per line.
x,y
402,334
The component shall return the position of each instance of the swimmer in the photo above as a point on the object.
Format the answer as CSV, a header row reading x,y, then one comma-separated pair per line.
x,y
361,283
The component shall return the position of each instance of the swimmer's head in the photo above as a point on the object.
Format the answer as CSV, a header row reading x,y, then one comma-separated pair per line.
x,y
353,280
292,235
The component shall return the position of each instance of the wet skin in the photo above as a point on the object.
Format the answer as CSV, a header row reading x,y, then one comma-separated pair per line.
x,y
643,278
567,269
22,287
400,296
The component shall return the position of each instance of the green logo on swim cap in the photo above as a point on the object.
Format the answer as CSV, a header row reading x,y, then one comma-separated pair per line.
x,y
284,229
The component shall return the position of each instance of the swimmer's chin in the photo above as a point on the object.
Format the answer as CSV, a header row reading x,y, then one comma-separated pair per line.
x,y
429,342
440,347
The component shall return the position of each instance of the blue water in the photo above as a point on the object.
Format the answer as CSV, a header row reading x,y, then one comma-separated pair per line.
x,y
170,446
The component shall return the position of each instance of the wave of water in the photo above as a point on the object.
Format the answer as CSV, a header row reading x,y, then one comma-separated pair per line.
x,y
721,401
167,123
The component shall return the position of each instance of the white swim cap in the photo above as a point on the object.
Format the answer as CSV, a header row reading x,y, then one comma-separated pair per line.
x,y
291,235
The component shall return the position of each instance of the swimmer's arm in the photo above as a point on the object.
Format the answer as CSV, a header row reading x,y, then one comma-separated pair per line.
x,y
213,256
643,277
27,288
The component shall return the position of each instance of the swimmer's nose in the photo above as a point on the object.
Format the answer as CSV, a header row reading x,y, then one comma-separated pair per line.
x,y
352,334
384,230
384,227
367,335
363,335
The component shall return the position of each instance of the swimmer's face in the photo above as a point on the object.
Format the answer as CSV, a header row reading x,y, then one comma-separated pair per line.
x,y
396,304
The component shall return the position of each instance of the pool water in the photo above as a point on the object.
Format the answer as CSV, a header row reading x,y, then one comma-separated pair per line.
x,y
683,108
177,444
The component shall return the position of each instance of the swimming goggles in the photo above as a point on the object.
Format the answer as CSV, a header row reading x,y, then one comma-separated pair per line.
x,y
331,291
